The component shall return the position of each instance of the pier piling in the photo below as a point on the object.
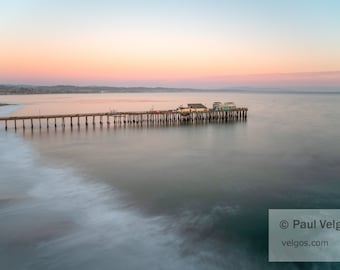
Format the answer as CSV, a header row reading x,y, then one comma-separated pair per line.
x,y
135,118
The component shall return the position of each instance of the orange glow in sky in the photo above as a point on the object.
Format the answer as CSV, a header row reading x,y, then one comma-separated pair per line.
x,y
118,43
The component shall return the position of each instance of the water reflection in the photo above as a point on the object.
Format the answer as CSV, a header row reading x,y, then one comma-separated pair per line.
x,y
171,197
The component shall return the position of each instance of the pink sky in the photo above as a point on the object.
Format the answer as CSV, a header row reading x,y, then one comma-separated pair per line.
x,y
171,43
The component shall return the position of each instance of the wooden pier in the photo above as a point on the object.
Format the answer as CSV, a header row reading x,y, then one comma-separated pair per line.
x,y
122,118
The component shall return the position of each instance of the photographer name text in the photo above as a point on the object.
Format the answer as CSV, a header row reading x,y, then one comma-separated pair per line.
x,y
323,224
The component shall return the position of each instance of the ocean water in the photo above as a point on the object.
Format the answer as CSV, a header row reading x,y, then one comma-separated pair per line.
x,y
181,197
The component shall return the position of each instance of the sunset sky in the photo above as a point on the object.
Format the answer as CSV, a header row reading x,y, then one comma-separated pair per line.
x,y
177,43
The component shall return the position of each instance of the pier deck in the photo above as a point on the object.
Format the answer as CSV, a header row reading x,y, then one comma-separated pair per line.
x,y
122,118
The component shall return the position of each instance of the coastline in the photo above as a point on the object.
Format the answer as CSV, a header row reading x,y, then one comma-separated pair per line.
x,y
74,89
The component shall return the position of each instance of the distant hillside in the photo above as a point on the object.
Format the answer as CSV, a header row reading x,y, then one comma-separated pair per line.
x,y
63,89
68,89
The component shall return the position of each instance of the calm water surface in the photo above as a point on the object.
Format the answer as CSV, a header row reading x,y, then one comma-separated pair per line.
x,y
184,197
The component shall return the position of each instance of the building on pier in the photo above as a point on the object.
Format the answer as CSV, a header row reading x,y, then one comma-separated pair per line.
x,y
192,107
226,106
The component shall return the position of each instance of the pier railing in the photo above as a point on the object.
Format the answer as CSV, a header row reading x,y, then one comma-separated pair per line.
x,y
122,118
